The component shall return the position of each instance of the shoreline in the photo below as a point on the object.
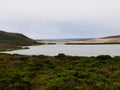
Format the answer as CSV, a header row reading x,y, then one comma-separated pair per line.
x,y
83,42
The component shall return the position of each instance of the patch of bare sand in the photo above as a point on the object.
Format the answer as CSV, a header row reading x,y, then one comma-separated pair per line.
x,y
107,40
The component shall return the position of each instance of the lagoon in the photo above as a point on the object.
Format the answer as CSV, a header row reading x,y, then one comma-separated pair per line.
x,y
73,50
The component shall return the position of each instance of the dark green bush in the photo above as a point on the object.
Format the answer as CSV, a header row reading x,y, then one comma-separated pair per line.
x,y
103,57
61,55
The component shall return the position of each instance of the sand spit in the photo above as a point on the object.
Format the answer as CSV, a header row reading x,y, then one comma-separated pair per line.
x,y
91,41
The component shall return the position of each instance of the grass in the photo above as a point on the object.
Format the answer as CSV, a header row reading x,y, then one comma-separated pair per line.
x,y
61,72
8,47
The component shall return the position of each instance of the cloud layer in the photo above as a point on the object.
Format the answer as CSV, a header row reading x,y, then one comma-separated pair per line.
x,y
61,18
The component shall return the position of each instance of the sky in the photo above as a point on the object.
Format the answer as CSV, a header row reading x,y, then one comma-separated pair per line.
x,y
53,19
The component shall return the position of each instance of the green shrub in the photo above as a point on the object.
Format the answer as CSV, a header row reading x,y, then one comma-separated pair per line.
x,y
21,72
103,57
61,55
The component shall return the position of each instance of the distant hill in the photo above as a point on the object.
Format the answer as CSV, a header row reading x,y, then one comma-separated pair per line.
x,y
105,40
15,39
115,36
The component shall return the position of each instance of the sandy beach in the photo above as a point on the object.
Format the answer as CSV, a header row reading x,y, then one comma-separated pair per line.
x,y
91,41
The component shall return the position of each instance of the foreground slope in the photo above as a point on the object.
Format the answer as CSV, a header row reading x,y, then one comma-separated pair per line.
x,y
18,72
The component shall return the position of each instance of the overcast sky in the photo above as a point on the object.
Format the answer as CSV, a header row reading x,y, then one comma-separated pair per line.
x,y
43,19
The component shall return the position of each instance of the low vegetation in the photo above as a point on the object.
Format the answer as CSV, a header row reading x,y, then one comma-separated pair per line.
x,y
61,72
8,47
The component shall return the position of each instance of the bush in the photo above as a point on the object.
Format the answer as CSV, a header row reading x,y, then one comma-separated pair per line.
x,y
103,57
61,55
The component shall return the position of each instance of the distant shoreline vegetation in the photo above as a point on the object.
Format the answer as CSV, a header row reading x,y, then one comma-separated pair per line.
x,y
90,43
80,43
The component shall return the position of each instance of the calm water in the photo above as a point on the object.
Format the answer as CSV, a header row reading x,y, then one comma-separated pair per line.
x,y
74,50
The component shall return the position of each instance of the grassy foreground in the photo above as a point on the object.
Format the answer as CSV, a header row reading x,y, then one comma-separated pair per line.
x,y
19,72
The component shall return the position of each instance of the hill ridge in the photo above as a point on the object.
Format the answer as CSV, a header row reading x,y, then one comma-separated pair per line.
x,y
15,39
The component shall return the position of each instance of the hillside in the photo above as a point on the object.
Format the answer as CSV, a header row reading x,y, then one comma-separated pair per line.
x,y
115,36
12,41
15,39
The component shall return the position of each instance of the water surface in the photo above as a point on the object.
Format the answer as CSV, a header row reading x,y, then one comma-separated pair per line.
x,y
74,50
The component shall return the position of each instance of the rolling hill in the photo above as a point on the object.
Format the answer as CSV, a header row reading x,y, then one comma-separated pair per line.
x,y
15,39
10,40
115,36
